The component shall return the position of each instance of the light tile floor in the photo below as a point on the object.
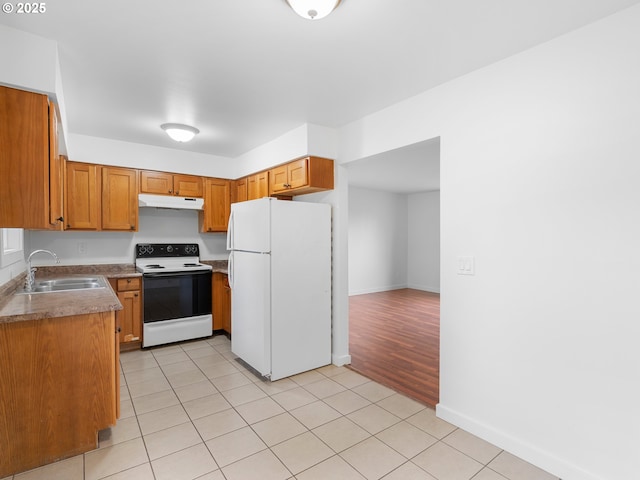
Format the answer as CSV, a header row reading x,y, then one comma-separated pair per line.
x,y
191,411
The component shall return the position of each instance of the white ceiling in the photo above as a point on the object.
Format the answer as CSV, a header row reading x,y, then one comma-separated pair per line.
x,y
247,71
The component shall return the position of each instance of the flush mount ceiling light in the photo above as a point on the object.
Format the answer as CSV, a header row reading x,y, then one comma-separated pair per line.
x,y
179,132
313,9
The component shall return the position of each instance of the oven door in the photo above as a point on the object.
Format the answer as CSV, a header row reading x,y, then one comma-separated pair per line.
x,y
170,296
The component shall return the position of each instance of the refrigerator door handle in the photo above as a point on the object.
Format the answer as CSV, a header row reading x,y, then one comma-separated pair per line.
x,y
230,270
230,232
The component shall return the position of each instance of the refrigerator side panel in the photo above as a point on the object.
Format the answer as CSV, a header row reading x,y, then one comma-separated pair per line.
x,y
301,287
249,225
250,307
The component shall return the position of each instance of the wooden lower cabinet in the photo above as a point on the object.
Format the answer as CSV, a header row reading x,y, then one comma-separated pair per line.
x,y
129,319
59,387
221,302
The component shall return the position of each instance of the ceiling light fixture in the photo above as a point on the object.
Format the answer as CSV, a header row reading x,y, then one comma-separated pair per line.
x,y
313,9
179,132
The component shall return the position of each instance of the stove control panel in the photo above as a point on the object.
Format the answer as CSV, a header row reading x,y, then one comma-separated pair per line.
x,y
152,250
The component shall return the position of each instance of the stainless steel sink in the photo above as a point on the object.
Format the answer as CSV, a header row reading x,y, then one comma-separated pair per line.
x,y
66,284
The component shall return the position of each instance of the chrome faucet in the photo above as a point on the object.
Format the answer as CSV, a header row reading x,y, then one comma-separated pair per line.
x,y
31,271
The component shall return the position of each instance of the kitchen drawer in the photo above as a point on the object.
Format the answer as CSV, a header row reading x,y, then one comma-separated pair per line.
x,y
132,283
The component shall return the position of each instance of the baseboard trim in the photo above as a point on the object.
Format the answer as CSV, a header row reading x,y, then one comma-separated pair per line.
x,y
377,289
341,360
532,454
424,288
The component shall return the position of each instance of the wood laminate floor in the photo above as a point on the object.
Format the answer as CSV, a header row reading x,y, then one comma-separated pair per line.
x,y
394,339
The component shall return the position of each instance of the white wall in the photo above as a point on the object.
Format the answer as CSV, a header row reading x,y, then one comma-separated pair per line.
x,y
423,241
539,182
155,226
31,63
307,139
377,241
394,241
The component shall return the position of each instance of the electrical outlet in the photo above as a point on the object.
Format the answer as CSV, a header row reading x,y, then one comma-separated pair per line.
x,y
82,248
466,266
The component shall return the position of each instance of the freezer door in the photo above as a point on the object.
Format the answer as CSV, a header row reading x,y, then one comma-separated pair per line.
x,y
251,309
249,226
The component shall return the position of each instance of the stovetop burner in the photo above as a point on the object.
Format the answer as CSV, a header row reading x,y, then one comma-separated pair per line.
x,y
169,258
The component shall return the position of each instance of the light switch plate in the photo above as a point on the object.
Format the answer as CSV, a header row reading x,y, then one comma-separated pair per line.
x,y
466,265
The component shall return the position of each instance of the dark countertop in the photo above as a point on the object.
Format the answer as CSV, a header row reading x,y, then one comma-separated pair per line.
x,y
36,306
19,307
219,266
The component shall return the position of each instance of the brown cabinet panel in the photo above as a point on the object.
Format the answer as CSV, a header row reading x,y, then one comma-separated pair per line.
x,y
56,165
258,185
119,199
129,319
58,388
81,197
217,205
301,176
163,183
28,151
221,302
240,190
297,173
126,284
279,179
160,183
188,186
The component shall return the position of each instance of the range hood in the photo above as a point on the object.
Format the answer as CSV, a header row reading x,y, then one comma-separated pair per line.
x,y
168,201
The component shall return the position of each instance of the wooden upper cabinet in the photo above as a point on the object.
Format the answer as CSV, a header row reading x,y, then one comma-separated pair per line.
x,y
29,161
163,183
258,185
119,199
160,183
304,175
217,205
56,169
239,193
188,186
82,196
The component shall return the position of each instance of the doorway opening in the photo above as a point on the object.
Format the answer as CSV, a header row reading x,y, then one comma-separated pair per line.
x,y
394,269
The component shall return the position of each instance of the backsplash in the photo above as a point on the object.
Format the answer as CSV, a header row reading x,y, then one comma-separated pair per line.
x,y
155,226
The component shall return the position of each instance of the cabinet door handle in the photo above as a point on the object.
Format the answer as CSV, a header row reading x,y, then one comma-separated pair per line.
x,y
135,294
118,330
170,191
133,227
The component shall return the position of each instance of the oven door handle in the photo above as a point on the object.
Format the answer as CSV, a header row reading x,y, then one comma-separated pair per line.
x,y
176,274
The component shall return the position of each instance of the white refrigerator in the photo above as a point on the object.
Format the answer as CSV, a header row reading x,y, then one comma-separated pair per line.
x,y
280,278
